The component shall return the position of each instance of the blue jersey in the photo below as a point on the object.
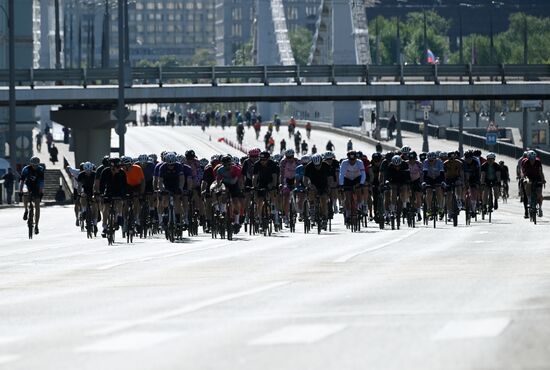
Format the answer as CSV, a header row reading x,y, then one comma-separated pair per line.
x,y
33,177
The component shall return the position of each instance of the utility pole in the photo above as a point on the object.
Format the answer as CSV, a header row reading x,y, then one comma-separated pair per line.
x,y
424,60
120,109
12,107
105,39
461,102
57,37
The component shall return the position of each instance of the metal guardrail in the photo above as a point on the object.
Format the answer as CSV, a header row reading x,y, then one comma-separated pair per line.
x,y
268,73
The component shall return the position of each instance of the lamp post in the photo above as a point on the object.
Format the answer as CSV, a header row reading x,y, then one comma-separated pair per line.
x,y
10,16
121,83
461,102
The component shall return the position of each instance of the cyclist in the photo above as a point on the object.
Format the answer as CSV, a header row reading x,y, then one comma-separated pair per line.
x,y
148,167
73,174
376,162
471,179
531,170
135,181
265,176
505,179
86,180
308,130
229,174
454,176
434,176
277,122
349,145
291,127
207,179
172,180
197,173
490,179
300,188
31,187
398,176
317,178
248,173
287,169
352,176
304,147
366,199
297,140
240,132
334,174
416,171
112,186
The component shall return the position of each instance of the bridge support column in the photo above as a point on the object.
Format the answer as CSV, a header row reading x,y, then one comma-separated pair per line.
x,y
343,52
90,129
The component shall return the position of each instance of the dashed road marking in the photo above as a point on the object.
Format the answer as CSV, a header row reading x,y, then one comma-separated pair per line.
x,y
298,334
185,309
129,342
480,328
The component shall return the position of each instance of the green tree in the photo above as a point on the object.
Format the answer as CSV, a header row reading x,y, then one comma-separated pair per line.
x,y
300,42
202,57
243,55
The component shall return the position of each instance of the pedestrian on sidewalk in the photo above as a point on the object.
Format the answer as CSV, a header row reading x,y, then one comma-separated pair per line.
x,y
53,154
39,141
60,196
49,140
379,147
330,146
9,180
66,135
391,126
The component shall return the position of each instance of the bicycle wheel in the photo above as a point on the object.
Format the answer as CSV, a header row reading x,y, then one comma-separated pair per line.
x,y
30,219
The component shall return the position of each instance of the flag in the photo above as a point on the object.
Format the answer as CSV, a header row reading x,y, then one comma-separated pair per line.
x,y
431,57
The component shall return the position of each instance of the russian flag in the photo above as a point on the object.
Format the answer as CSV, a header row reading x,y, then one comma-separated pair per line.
x,y
431,57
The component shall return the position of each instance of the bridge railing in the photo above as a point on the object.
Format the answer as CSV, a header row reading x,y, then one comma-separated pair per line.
x,y
277,73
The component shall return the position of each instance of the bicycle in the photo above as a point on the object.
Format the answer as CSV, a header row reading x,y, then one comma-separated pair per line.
x,y
433,207
171,227
30,219
378,203
266,223
353,221
128,230
91,229
455,210
111,220
487,209
533,202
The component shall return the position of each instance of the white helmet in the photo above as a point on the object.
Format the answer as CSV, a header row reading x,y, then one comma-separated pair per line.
x,y
88,166
491,155
396,160
143,158
406,149
317,159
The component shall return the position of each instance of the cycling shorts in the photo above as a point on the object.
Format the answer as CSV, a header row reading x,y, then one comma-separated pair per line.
x,y
350,183
416,186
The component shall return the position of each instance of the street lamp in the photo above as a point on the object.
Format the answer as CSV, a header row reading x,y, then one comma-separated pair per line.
x,y
10,16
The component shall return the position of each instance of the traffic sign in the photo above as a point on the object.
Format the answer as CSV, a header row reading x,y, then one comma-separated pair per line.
x,y
491,138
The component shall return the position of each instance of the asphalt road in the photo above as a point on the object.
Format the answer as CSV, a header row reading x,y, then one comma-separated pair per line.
x,y
473,297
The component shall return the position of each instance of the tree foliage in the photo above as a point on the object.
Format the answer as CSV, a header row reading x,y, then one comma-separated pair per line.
x,y
300,42
243,55
508,45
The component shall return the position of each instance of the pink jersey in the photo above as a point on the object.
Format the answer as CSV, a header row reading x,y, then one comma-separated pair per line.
x,y
288,168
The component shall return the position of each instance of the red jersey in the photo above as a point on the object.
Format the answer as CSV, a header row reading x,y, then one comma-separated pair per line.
x,y
531,170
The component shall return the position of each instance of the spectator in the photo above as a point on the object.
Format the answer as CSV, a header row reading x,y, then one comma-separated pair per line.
x,y
53,154
330,146
49,140
313,149
60,196
391,126
350,145
66,135
283,145
378,147
9,180
39,141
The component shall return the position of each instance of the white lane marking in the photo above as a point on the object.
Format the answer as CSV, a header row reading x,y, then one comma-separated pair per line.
x,y
129,342
480,328
347,257
296,334
156,256
483,232
4,359
185,309
479,241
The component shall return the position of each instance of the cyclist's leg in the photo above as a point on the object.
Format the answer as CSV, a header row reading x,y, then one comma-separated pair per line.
x,y
393,204
324,205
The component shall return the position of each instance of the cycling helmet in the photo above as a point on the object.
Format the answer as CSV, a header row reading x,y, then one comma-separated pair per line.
x,y
227,159
190,154
406,149
317,159
34,160
491,155
180,158
105,160
468,154
531,154
305,159
236,160
359,154
376,156
501,163
412,155
352,154
443,155
396,160
277,157
265,155
126,161
170,158
143,158
329,155
254,152
438,153
525,154
88,166
203,162
388,156
477,153
423,156
432,155
115,162
163,155
214,158
153,157
289,153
